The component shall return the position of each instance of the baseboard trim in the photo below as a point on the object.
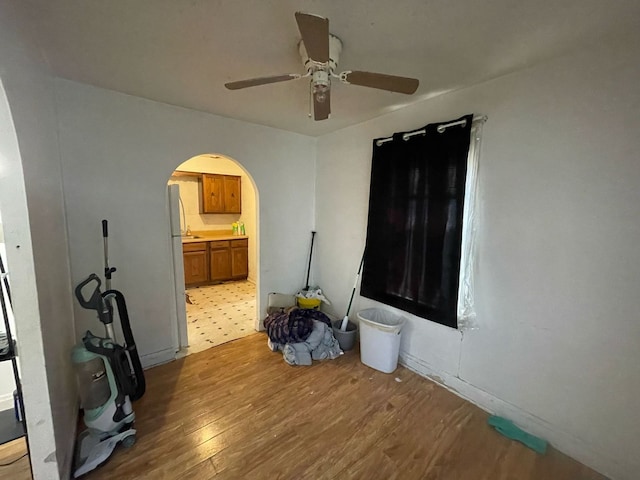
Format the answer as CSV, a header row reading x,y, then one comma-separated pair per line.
x,y
158,358
562,441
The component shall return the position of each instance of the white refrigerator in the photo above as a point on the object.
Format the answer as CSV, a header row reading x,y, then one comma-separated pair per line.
x,y
176,212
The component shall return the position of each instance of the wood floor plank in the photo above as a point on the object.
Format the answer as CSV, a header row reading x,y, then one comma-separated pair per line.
x,y
239,411
9,452
202,471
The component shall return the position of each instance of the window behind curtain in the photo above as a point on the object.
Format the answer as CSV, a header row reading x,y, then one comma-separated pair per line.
x,y
414,233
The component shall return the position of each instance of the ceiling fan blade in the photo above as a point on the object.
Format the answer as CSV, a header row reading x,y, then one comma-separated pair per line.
x,y
321,110
315,35
381,81
253,82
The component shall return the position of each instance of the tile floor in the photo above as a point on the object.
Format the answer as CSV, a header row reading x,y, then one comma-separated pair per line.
x,y
220,313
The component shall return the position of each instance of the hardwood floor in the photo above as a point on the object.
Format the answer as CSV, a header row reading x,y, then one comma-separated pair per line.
x,y
238,411
9,452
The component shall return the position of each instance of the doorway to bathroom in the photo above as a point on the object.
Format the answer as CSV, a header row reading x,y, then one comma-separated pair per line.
x,y
215,264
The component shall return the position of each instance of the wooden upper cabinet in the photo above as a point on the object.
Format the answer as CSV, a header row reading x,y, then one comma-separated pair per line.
x,y
232,194
220,193
212,193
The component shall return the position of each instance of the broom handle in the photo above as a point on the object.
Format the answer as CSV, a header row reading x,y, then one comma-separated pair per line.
x,y
313,234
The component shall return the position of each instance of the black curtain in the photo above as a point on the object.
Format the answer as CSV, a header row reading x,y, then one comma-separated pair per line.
x,y
414,234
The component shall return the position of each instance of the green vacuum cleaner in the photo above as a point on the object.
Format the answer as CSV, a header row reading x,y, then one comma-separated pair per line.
x,y
110,376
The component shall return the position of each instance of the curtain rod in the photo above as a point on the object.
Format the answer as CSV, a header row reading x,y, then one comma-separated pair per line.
x,y
440,129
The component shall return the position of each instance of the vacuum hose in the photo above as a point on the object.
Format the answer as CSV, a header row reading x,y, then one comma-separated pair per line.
x,y
140,384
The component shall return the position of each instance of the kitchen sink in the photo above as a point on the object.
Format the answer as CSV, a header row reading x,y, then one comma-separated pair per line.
x,y
190,236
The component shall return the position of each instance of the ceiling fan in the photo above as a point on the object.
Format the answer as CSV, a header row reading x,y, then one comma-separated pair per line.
x,y
320,52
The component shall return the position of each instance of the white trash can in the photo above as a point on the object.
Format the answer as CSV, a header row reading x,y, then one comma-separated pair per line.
x,y
380,332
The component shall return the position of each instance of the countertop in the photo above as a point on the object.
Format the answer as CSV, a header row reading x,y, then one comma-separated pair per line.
x,y
212,236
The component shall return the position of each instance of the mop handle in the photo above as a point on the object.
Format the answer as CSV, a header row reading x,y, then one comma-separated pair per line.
x,y
355,284
345,320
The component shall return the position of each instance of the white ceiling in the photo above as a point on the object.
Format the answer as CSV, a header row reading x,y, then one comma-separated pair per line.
x,y
181,52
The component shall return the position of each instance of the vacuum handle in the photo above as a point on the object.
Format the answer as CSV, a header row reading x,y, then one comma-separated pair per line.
x,y
105,229
95,301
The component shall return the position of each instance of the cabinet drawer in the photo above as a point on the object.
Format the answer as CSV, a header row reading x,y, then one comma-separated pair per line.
x,y
219,244
194,247
242,242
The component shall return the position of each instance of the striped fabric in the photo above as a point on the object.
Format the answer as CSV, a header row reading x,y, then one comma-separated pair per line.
x,y
293,326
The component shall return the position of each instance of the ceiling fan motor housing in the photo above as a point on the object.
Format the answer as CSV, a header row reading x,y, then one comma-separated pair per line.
x,y
335,49
320,78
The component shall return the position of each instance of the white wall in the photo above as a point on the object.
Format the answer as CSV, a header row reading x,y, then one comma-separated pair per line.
x,y
119,151
558,264
37,251
7,383
7,386
191,194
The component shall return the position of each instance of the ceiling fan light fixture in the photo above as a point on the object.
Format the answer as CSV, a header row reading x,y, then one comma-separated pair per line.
x,y
320,85
320,95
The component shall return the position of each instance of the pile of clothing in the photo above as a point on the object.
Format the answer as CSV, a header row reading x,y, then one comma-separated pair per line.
x,y
302,335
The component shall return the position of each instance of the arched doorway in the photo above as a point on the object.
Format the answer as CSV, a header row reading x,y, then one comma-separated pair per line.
x,y
15,455
219,265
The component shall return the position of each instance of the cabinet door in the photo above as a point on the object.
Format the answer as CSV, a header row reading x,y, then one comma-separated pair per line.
x,y
195,267
212,193
220,261
232,194
239,258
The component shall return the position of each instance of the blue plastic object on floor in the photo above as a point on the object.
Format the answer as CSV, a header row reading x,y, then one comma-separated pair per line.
x,y
509,430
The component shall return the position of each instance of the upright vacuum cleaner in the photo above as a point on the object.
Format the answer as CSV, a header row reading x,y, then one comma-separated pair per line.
x,y
109,375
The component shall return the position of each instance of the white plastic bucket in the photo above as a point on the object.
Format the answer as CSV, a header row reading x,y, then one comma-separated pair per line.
x,y
380,333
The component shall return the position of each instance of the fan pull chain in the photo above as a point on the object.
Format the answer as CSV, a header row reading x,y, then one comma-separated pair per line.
x,y
310,98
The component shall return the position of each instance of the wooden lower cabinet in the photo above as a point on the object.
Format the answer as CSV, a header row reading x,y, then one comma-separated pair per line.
x,y
196,265
220,261
239,258
215,261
